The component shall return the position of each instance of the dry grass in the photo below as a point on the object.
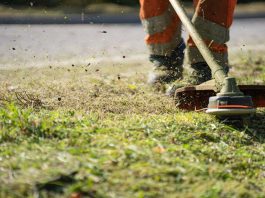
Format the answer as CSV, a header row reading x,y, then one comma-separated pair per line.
x,y
116,89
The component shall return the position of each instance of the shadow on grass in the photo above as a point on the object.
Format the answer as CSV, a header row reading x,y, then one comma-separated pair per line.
x,y
57,184
253,126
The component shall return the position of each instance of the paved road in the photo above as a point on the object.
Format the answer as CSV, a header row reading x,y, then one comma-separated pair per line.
x,y
131,18
42,45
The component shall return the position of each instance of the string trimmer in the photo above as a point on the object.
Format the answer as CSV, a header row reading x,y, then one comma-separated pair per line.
x,y
225,97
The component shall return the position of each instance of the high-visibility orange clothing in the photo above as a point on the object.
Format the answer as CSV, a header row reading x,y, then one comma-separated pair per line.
x,y
212,19
162,26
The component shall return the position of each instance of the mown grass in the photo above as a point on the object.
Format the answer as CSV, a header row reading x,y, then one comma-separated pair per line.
x,y
100,131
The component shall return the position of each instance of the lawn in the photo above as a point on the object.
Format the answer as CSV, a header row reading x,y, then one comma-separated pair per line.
x,y
101,131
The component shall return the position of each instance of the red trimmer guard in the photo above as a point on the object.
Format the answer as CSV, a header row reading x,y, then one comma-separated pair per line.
x,y
194,98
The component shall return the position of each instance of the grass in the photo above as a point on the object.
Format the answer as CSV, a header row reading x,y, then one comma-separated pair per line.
x,y
101,131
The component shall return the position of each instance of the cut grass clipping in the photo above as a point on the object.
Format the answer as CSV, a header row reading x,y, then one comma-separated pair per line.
x,y
102,132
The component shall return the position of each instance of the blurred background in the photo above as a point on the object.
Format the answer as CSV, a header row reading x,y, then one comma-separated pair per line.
x,y
82,3
83,11
65,32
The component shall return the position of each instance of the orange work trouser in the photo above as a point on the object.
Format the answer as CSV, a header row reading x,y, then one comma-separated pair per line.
x,y
212,18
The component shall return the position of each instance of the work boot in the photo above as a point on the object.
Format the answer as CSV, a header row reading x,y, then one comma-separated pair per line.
x,y
200,73
167,68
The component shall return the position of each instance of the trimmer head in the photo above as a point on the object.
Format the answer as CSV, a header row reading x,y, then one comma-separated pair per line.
x,y
231,106
230,101
203,97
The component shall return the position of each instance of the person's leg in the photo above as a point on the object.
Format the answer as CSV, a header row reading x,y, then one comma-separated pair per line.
x,y
212,19
163,39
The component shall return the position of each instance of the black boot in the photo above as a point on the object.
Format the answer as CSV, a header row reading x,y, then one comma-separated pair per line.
x,y
200,73
167,68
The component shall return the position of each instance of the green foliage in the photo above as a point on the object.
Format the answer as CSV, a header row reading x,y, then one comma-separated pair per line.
x,y
177,155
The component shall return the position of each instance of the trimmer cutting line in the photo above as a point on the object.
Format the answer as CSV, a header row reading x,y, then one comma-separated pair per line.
x,y
224,98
